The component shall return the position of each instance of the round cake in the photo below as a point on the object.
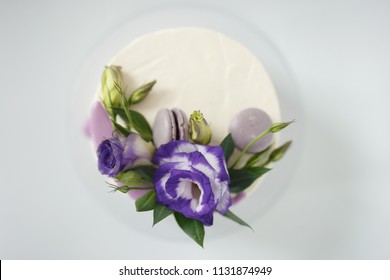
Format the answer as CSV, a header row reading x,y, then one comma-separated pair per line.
x,y
195,69
185,121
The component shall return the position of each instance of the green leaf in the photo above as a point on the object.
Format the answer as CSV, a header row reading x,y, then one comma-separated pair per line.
x,y
258,157
146,202
146,172
279,152
121,129
193,228
131,178
227,146
119,111
141,125
160,212
137,121
230,215
241,179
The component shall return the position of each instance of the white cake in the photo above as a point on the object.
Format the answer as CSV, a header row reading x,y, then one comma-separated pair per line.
x,y
197,69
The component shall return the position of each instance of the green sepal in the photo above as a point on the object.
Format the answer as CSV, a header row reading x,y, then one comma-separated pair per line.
x,y
141,125
124,105
160,212
276,127
126,189
131,178
141,93
122,189
230,215
193,228
146,202
227,146
258,157
241,179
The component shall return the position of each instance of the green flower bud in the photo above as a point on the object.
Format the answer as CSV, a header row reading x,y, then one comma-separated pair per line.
x,y
140,93
112,84
200,131
123,189
278,153
131,177
276,127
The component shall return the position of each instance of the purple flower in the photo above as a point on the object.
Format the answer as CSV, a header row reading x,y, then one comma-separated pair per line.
x,y
119,154
192,179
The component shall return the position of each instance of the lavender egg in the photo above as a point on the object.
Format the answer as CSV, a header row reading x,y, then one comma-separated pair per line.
x,y
248,124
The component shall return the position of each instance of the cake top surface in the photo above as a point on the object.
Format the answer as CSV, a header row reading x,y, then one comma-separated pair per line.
x,y
197,69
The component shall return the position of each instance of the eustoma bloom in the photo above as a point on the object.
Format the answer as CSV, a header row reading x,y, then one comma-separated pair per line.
x,y
192,179
118,154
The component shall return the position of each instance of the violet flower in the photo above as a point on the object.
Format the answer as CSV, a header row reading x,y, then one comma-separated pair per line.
x,y
119,154
192,179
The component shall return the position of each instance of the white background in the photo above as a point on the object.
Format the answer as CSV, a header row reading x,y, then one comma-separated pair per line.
x,y
110,269
335,206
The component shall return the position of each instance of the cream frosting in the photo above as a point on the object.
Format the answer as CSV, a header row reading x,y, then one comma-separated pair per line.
x,y
197,69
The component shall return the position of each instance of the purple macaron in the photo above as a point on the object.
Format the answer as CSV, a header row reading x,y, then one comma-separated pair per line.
x,y
170,125
248,124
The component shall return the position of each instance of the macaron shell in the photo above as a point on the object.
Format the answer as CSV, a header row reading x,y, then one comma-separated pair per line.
x,y
172,120
248,124
163,128
182,122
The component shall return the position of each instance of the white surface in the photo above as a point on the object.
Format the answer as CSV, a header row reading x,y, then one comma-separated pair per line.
x,y
334,206
197,69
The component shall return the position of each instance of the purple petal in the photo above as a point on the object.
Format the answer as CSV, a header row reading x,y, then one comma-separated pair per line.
x,y
215,157
193,176
207,219
135,194
165,152
178,194
164,170
192,179
110,157
225,201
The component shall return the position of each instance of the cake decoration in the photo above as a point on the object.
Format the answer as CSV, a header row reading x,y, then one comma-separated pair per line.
x,y
170,125
170,164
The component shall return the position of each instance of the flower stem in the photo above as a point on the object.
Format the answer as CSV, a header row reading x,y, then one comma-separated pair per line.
x,y
243,152
276,127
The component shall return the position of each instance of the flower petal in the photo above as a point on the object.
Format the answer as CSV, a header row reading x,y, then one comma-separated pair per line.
x,y
215,157
225,201
165,152
110,157
192,179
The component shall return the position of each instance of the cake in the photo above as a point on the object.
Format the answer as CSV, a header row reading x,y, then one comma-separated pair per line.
x,y
199,76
